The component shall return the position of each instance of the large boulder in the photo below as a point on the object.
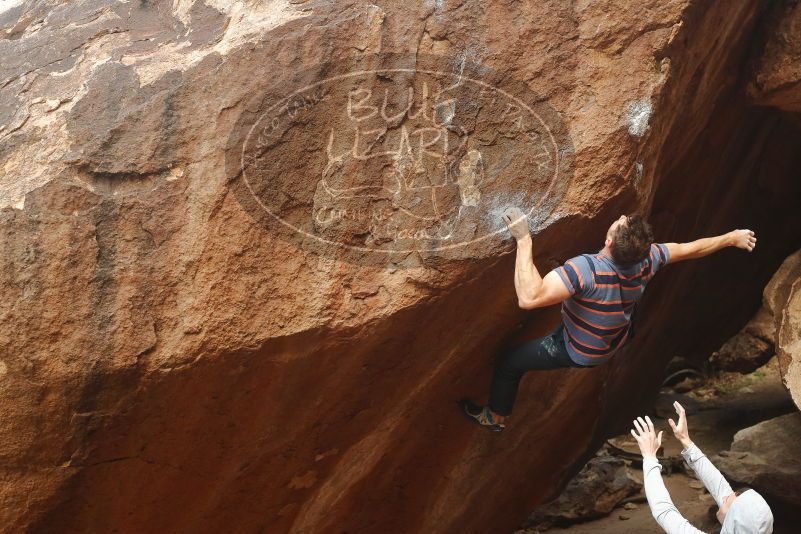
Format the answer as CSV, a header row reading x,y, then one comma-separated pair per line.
x,y
750,348
788,342
765,458
782,299
777,290
243,284
594,492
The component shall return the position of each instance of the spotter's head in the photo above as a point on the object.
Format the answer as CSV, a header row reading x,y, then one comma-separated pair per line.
x,y
745,512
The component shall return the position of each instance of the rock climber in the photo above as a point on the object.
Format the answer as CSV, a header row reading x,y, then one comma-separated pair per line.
x,y
744,512
598,293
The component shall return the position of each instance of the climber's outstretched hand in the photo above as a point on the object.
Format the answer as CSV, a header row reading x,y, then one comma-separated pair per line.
x,y
744,239
680,429
517,222
646,437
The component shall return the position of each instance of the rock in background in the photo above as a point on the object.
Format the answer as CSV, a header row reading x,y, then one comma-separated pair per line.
x,y
599,488
750,348
783,300
776,328
765,457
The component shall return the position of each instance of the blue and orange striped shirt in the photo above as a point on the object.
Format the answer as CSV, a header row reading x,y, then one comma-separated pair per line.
x,y
597,316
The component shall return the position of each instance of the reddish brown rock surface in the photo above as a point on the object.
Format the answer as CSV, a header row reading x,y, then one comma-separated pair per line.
x,y
170,364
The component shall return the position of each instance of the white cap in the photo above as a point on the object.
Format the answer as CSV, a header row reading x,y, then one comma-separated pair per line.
x,y
748,514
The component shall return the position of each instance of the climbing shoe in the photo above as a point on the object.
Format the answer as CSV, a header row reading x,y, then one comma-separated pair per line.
x,y
480,414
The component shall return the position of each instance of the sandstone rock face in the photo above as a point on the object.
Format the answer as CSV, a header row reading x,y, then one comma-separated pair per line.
x,y
765,458
782,300
778,289
789,342
229,300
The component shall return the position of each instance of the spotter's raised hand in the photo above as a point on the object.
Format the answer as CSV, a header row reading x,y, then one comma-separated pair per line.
x,y
646,437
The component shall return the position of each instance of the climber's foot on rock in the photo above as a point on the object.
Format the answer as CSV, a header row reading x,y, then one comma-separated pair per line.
x,y
480,415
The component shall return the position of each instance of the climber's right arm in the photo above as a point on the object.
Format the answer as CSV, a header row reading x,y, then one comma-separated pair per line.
x,y
532,290
744,239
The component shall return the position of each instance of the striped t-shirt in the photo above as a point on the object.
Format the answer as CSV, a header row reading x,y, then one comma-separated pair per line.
x,y
597,316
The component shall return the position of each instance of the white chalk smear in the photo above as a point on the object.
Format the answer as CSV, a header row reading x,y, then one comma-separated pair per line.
x,y
638,168
5,5
500,202
637,115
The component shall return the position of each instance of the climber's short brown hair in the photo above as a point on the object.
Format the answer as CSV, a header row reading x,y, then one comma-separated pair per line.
x,y
631,241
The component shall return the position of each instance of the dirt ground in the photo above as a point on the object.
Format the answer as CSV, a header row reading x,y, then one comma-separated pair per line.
x,y
694,504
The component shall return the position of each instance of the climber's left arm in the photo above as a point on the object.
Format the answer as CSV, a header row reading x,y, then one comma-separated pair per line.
x,y
744,239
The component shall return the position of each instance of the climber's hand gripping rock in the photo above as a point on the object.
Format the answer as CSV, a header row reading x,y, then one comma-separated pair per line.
x,y
517,222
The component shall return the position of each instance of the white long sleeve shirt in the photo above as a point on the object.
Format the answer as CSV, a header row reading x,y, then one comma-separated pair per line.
x,y
662,507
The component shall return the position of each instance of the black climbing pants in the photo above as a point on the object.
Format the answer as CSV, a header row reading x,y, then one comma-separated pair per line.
x,y
541,354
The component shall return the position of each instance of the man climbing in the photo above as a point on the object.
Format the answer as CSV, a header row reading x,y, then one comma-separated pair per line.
x,y
598,293
743,512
